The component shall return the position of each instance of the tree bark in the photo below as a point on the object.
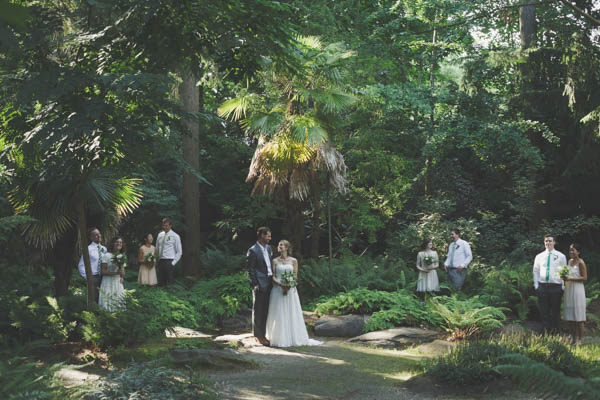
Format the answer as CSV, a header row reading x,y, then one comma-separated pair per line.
x,y
62,260
82,228
527,25
295,225
191,96
316,215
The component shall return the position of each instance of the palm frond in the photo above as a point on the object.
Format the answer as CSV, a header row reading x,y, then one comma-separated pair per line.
x,y
238,107
311,42
264,123
308,130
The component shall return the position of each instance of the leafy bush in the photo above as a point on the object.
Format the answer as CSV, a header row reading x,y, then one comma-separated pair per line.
x,y
464,318
316,278
149,311
217,262
509,286
21,378
477,362
363,301
151,380
409,314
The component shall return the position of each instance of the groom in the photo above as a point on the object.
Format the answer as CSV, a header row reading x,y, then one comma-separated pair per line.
x,y
260,272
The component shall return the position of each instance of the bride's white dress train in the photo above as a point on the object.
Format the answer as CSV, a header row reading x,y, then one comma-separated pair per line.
x,y
285,324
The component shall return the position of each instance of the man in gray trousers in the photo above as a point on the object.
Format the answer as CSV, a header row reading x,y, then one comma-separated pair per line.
x,y
260,272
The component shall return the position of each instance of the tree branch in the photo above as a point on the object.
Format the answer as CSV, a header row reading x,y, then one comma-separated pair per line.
x,y
579,11
485,14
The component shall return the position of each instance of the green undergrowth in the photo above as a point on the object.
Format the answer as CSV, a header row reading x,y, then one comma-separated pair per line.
x,y
155,349
535,362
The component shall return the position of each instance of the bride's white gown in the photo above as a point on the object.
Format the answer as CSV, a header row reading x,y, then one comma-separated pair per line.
x,y
285,324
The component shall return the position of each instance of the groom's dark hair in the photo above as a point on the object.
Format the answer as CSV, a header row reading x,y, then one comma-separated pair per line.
x,y
89,232
263,230
455,230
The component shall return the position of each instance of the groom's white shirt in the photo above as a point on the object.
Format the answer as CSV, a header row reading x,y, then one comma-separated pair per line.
x,y
95,258
462,254
266,257
540,266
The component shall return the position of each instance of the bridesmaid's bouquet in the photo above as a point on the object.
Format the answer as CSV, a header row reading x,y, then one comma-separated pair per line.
x,y
288,279
430,260
120,260
564,272
150,258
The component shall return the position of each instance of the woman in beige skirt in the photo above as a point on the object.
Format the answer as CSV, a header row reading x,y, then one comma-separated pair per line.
x,y
147,274
574,306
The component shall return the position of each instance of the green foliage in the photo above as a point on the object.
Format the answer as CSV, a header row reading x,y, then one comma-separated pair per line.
x,y
508,286
363,301
152,380
216,262
465,318
409,313
477,362
538,377
22,378
150,311
350,272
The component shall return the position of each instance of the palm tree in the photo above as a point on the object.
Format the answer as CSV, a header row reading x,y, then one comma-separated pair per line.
x,y
294,118
60,203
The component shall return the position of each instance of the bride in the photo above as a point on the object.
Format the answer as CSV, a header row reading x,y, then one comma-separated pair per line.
x,y
285,323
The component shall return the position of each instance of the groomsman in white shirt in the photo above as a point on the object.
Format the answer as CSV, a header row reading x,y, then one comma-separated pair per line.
x,y
548,285
169,249
459,258
96,251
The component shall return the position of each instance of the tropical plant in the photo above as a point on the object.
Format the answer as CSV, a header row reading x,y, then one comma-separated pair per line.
x,y
465,318
295,118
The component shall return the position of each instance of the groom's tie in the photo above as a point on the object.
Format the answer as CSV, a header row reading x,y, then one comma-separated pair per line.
x,y
548,267
99,259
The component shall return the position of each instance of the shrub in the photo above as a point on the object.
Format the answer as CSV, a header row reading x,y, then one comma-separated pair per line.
x,y
480,361
149,311
21,378
363,301
217,262
317,279
464,318
151,380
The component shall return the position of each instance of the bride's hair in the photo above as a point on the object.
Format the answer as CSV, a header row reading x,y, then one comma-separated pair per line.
x,y
287,245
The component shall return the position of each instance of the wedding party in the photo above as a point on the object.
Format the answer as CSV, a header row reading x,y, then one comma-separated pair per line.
x,y
306,200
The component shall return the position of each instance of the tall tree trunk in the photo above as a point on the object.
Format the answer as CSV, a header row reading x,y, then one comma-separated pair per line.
x,y
427,177
316,215
191,96
62,260
527,25
82,228
294,228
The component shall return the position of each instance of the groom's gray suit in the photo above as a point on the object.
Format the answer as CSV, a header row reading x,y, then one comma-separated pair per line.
x,y
262,284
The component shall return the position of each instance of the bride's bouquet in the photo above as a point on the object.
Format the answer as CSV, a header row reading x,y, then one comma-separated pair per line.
x,y
150,258
288,279
120,260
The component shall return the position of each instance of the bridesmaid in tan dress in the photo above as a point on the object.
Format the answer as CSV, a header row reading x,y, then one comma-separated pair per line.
x,y
147,274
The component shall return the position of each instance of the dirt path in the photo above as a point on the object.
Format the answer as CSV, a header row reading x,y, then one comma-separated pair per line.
x,y
334,370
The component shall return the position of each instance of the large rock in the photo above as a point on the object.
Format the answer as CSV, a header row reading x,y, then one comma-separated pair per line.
x,y
340,326
240,323
396,337
208,358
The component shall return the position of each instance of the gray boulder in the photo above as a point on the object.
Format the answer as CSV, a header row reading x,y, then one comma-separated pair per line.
x,y
396,337
340,325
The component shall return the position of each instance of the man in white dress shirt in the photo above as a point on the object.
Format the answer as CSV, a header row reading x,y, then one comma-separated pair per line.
x,y
169,249
548,285
96,250
459,258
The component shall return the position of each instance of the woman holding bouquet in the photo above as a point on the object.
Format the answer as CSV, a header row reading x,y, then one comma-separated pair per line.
x,y
112,294
285,323
574,307
427,262
147,256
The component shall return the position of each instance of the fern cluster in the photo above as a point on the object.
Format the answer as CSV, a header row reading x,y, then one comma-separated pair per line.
x,y
548,365
22,378
151,380
465,318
